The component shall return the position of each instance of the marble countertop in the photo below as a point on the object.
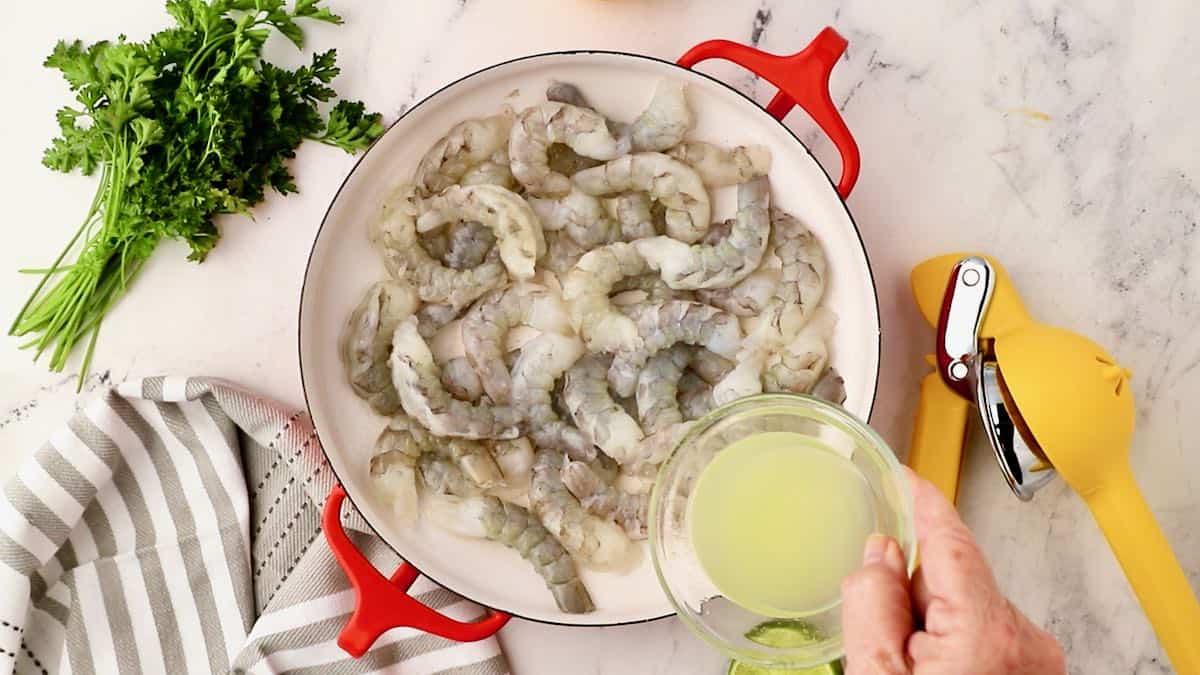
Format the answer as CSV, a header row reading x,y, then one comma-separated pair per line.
x,y
1060,139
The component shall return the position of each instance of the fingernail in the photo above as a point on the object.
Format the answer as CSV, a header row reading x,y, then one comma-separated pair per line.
x,y
893,557
875,548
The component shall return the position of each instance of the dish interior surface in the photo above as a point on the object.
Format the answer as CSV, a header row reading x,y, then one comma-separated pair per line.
x,y
343,264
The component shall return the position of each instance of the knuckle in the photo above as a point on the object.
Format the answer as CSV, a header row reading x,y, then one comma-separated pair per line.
x,y
943,618
866,580
958,544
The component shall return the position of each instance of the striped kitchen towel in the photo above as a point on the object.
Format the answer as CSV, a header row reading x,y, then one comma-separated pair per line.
x,y
173,526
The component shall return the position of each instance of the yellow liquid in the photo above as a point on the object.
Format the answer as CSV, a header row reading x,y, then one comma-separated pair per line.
x,y
777,520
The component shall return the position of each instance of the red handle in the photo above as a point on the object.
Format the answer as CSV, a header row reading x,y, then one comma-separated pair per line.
x,y
803,79
382,604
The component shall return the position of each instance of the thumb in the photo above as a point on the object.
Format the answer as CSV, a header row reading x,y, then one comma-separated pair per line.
x,y
877,614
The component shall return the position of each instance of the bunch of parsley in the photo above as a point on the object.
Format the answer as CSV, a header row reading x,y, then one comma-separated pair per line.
x,y
186,126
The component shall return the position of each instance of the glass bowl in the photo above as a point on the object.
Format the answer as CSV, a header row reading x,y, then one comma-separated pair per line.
x,y
729,627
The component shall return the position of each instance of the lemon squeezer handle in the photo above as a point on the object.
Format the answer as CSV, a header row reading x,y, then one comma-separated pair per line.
x,y
1151,567
938,435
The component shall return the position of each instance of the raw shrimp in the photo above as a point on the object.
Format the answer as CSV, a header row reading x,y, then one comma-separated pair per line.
x,y
721,264
586,289
486,325
831,387
564,160
598,416
492,171
565,92
670,182
642,288
603,466
517,229
798,364
467,245
459,246
395,232
540,126
658,445
515,459
366,342
418,382
744,380
595,542
709,366
542,361
718,231
467,144
431,318
519,529
471,515
802,275
658,388
632,212
551,404
393,465
637,480
581,215
659,410
562,253
665,120
721,167
695,396
628,404
475,460
602,498
747,297
436,243
442,477
792,303
460,379
663,324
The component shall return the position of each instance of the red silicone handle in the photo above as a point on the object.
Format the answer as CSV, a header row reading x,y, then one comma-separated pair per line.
x,y
383,604
803,79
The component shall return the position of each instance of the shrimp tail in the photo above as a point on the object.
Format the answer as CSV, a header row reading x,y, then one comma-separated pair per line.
x,y
519,529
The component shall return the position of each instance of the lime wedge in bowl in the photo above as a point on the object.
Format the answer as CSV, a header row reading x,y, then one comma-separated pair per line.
x,y
739,668
784,633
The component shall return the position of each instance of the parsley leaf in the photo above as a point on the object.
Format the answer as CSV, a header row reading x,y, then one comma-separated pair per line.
x,y
186,126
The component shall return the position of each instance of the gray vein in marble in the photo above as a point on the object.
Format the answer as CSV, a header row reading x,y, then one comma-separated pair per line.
x,y
1012,184
458,11
410,97
22,412
876,67
762,19
19,413
746,81
1158,258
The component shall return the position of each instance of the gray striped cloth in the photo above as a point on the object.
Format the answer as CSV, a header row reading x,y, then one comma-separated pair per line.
x,y
173,526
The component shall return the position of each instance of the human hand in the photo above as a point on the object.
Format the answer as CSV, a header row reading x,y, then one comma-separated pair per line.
x,y
950,619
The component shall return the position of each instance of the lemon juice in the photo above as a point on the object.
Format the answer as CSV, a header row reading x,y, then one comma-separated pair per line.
x,y
777,520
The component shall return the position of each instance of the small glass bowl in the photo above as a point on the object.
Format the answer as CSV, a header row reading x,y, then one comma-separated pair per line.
x,y
697,600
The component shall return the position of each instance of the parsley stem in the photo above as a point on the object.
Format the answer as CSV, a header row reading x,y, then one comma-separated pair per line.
x,y
209,45
110,297
95,207
45,270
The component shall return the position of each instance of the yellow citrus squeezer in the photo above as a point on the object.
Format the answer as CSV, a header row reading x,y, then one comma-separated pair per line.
x,y
1050,401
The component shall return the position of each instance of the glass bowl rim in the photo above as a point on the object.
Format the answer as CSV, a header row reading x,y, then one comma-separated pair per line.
x,y
824,409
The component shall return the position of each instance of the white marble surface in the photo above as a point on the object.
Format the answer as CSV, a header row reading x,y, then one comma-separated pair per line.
x,y
1061,139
